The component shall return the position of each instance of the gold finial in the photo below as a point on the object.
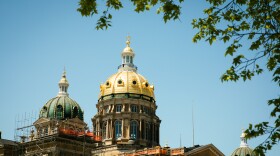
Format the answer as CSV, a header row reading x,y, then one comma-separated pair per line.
x,y
64,72
128,41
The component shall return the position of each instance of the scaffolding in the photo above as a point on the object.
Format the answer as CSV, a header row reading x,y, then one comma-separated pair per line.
x,y
32,142
23,126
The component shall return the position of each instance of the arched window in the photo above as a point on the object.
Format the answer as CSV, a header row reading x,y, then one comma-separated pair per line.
x,y
59,111
118,108
127,59
104,127
75,111
133,129
118,129
46,132
134,108
41,132
44,112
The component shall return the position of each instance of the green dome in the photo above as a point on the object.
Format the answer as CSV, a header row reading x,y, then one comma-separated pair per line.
x,y
243,151
61,107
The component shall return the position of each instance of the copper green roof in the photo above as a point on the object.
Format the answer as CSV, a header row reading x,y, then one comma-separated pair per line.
x,y
61,107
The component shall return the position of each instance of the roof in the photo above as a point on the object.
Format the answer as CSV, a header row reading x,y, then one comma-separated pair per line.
x,y
243,151
127,82
7,142
208,149
61,107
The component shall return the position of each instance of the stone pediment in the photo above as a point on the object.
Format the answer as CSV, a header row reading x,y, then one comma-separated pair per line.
x,y
41,121
205,150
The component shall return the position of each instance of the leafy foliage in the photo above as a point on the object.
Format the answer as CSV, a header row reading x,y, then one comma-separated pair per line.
x,y
169,9
239,22
236,23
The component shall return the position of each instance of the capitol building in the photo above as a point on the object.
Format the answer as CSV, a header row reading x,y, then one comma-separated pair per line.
x,y
126,122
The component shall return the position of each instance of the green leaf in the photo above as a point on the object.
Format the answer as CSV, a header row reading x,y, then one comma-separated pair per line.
x,y
225,38
87,7
237,60
230,50
255,45
271,64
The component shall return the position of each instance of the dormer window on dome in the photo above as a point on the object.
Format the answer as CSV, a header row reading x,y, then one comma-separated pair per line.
x,y
108,84
134,82
120,83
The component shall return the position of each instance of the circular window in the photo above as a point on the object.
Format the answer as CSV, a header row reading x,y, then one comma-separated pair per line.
x,y
107,83
119,81
134,82
146,84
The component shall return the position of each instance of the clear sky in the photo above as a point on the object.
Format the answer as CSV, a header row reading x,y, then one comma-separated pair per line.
x,y
39,38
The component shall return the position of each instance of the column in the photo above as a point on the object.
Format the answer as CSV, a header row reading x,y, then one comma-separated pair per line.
x,y
153,133
140,129
128,129
111,128
158,133
123,107
98,128
107,129
122,128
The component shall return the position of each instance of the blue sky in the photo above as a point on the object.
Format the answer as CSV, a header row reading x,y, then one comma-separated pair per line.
x,y
39,38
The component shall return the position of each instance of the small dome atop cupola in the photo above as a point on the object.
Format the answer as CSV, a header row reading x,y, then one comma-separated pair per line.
x,y
128,50
62,106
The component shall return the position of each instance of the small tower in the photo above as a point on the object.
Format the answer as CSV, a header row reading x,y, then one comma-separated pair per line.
x,y
244,149
63,85
243,139
127,58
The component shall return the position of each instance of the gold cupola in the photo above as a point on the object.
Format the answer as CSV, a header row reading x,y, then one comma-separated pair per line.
x,y
127,81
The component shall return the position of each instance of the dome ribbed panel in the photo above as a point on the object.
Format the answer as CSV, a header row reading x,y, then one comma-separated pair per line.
x,y
51,105
113,85
243,151
50,109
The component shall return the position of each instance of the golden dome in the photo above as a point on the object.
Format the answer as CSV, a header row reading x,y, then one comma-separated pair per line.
x,y
127,82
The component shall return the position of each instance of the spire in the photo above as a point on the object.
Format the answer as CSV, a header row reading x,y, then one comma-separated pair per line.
x,y
63,85
127,41
243,139
127,58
